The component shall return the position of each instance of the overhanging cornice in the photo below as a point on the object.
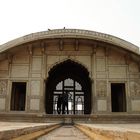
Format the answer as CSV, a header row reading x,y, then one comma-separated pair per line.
x,y
71,33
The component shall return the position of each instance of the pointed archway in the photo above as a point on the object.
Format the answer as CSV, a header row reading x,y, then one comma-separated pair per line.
x,y
73,77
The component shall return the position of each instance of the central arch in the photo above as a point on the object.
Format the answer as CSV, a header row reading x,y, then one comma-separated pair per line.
x,y
72,77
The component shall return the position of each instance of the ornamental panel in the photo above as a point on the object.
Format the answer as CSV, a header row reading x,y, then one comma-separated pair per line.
x,y
3,87
101,87
135,88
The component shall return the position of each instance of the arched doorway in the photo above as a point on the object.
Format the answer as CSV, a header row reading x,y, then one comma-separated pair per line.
x,y
74,78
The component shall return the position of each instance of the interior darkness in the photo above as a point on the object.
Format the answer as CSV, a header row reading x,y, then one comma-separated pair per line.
x,y
62,71
118,97
18,96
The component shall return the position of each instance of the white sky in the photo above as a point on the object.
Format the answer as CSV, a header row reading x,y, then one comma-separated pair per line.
x,y
120,18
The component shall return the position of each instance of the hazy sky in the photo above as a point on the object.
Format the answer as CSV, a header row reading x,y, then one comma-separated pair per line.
x,y
120,18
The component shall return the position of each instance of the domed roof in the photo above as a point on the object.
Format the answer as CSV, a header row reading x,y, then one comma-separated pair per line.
x,y
71,33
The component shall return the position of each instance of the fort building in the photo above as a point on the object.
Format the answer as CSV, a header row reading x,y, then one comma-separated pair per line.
x,y
101,72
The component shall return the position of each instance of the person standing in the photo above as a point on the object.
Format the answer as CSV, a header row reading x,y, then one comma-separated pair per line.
x,y
59,104
65,103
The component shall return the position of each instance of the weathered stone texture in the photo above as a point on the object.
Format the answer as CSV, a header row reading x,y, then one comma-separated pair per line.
x,y
135,105
2,104
102,105
101,66
101,87
34,104
135,88
85,60
20,59
35,88
116,58
133,67
3,87
100,52
36,63
20,71
4,65
52,59
37,51
117,72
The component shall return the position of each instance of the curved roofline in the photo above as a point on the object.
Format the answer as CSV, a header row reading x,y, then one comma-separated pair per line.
x,y
71,33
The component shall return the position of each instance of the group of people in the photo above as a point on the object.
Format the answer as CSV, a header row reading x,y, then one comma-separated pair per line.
x,y
62,103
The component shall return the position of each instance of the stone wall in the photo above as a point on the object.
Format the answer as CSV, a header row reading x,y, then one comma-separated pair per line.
x,y
106,64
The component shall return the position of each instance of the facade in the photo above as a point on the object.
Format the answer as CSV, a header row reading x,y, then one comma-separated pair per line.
x,y
101,73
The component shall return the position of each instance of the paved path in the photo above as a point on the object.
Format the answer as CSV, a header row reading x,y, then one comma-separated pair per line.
x,y
65,133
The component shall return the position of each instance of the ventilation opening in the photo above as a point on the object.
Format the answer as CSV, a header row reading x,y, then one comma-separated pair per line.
x,y
118,97
18,96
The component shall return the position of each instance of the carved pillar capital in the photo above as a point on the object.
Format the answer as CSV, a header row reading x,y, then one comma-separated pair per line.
x,y
127,59
61,45
10,57
94,48
106,51
42,44
76,45
30,49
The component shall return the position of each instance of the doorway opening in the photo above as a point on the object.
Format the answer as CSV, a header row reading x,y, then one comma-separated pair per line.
x,y
118,97
73,78
18,96
75,96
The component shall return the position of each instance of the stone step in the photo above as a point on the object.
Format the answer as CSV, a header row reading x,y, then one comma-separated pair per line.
x,y
97,118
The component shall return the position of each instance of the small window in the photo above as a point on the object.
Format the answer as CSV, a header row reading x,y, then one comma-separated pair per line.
x,y
18,96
